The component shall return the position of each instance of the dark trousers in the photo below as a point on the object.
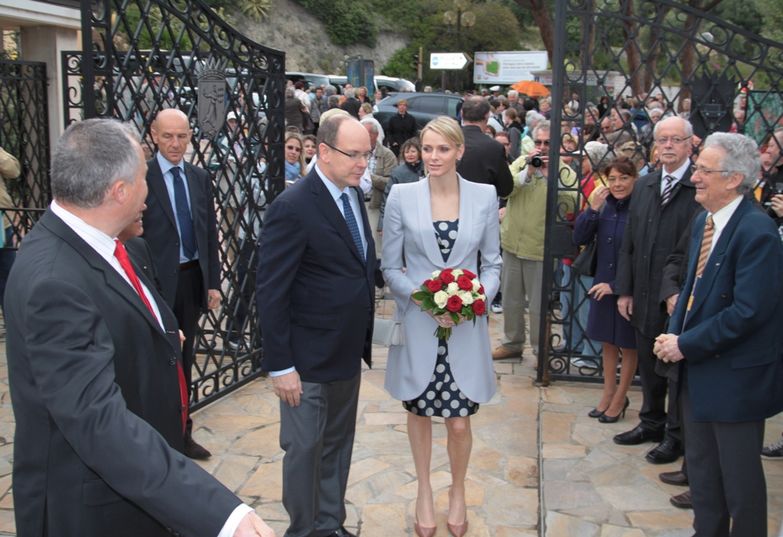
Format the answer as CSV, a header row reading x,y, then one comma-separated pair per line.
x,y
7,256
317,437
726,477
187,310
653,414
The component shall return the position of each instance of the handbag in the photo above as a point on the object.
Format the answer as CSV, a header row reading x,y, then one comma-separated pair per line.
x,y
586,261
387,332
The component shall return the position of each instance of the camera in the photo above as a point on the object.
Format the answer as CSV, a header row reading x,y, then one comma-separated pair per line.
x,y
536,162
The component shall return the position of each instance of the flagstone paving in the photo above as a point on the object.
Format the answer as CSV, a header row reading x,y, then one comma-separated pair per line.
x,y
540,466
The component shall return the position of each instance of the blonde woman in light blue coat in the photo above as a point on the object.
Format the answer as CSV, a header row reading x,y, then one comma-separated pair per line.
x,y
442,221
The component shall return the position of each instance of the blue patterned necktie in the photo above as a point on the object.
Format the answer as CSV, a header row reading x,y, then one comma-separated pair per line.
x,y
187,235
353,227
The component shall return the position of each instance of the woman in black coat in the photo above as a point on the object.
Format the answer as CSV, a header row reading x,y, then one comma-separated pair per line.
x,y
604,221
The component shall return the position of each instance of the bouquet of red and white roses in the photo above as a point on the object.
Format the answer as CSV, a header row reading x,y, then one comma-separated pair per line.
x,y
455,292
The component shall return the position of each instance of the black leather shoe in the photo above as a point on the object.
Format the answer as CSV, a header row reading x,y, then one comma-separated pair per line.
x,y
682,501
194,450
678,478
342,532
667,451
638,435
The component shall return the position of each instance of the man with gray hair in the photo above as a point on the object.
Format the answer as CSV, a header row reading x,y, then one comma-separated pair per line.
x,y
725,329
379,167
95,366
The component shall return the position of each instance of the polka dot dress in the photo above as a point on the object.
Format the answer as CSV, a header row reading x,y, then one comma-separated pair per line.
x,y
442,397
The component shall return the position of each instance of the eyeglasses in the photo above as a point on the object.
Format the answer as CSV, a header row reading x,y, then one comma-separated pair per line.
x,y
542,142
353,155
293,148
701,170
676,140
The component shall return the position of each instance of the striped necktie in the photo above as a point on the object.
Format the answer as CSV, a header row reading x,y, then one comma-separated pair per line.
x,y
668,190
706,245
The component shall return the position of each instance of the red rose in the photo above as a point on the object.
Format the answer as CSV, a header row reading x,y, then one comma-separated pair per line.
x,y
481,289
468,273
447,276
433,285
479,307
454,304
465,283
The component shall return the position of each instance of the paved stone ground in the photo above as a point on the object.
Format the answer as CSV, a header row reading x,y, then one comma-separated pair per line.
x,y
529,444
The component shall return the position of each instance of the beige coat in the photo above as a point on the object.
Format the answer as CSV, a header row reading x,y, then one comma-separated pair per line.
x,y
9,169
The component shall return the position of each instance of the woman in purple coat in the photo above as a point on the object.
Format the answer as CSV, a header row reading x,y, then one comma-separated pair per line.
x,y
604,221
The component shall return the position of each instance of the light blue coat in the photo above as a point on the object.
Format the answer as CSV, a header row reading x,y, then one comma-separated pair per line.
x,y
410,255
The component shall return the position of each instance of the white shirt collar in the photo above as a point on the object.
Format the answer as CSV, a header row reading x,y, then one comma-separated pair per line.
x,y
679,172
94,237
722,216
333,189
166,165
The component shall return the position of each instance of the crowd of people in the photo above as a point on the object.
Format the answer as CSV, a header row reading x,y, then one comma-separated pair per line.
x,y
677,239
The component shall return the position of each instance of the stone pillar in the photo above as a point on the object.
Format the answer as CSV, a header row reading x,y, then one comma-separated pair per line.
x,y
44,44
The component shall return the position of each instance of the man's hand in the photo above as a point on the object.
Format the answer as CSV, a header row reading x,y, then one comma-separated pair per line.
x,y
288,388
625,307
667,349
600,290
501,214
213,298
181,335
251,525
671,302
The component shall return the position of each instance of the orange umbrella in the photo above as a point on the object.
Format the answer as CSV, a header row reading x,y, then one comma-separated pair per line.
x,y
531,88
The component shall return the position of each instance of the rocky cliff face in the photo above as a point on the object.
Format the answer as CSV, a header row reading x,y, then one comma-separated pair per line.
x,y
301,36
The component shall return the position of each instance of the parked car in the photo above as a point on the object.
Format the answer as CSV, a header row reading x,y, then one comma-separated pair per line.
x,y
422,106
311,79
393,84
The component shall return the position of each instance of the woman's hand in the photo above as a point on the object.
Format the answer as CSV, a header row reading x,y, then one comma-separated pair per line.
x,y
444,320
600,290
598,198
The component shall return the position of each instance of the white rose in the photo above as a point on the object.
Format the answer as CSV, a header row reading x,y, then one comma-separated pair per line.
x,y
457,272
435,273
467,297
476,285
440,298
452,288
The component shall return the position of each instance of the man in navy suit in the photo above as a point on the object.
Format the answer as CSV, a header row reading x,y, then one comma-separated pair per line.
x,y
726,329
315,302
180,230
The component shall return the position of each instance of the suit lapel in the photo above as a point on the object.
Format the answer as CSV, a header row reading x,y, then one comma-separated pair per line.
x,y
328,207
466,217
426,230
157,187
112,278
715,260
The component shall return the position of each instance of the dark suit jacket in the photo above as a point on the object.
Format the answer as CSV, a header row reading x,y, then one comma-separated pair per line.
x,y
314,294
732,338
160,229
95,394
651,235
484,161
141,255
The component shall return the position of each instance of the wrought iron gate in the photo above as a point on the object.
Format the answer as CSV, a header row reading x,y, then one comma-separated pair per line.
x,y
24,133
649,49
140,56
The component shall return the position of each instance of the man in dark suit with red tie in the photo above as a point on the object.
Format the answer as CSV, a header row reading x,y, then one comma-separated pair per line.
x,y
315,301
94,366
726,330
180,230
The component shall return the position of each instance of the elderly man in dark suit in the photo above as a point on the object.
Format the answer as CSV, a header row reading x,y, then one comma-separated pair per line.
x,y
94,366
180,230
484,160
315,301
726,330
660,212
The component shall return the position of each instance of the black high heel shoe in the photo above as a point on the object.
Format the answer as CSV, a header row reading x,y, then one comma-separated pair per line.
x,y
606,418
595,413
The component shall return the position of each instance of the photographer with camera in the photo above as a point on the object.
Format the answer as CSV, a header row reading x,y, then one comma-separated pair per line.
x,y
522,238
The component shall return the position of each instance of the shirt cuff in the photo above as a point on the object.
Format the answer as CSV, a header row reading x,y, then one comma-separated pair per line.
x,y
280,374
236,516
523,176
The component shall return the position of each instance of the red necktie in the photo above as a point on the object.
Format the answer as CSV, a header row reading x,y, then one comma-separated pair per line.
x,y
122,256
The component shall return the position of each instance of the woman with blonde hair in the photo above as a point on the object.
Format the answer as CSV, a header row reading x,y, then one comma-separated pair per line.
x,y
294,157
442,221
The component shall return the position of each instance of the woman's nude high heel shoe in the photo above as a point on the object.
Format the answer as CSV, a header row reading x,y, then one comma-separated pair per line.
x,y
458,530
424,531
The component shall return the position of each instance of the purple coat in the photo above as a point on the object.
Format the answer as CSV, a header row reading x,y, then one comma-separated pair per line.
x,y
605,323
